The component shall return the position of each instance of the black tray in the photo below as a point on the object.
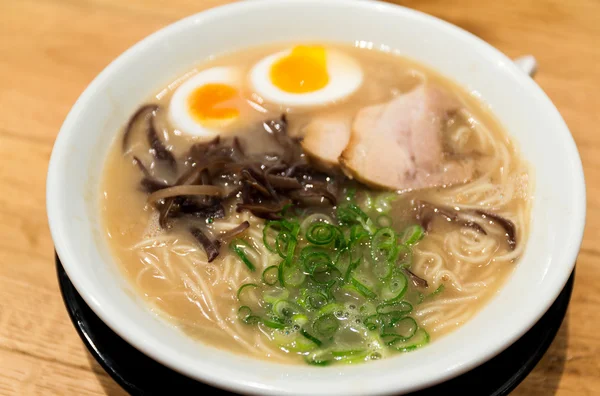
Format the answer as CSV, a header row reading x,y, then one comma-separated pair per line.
x,y
140,375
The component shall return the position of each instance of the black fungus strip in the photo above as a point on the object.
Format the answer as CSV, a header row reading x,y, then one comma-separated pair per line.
x,y
163,213
249,178
158,149
475,226
262,184
192,207
312,197
237,148
416,280
426,212
237,230
211,248
143,112
149,183
261,208
282,183
509,226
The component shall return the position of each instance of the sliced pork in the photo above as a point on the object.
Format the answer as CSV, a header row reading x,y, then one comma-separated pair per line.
x,y
325,138
398,145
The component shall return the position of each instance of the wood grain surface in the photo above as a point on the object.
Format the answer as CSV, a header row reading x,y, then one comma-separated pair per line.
x,y
51,49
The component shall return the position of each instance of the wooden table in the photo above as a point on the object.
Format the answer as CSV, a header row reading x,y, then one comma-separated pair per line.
x,y
51,49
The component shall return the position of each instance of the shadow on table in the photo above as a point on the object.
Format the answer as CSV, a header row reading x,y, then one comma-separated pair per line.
x,y
545,377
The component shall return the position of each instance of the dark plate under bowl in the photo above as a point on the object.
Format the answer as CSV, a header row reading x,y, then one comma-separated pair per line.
x,y
140,375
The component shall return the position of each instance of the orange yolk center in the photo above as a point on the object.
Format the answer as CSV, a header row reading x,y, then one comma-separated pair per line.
x,y
303,70
204,102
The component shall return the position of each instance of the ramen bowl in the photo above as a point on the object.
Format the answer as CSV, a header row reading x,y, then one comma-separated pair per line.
x,y
558,213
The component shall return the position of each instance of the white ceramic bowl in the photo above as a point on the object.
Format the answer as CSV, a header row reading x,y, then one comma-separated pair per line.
x,y
525,111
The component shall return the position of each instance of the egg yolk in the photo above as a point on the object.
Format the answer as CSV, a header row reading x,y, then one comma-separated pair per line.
x,y
204,103
303,70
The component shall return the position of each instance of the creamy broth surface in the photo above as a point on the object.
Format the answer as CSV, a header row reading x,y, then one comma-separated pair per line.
x,y
463,267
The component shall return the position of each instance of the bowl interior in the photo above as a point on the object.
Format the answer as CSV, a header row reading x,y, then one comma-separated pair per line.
x,y
527,114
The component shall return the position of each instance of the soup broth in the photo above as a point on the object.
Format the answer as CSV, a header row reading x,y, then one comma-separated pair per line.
x,y
454,244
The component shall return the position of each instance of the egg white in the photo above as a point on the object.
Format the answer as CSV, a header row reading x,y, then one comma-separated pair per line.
x,y
345,77
179,114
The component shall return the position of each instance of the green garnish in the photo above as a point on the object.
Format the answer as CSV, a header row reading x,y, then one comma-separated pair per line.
x,y
270,275
240,248
339,293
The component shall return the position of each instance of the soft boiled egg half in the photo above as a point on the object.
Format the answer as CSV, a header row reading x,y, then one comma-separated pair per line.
x,y
208,102
306,76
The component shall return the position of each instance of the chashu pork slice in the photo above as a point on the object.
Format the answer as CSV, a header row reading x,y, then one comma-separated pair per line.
x,y
325,137
398,145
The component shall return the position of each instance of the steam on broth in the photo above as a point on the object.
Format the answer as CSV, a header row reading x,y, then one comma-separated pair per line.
x,y
325,204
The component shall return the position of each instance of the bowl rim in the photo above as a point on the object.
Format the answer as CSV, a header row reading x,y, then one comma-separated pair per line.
x,y
161,352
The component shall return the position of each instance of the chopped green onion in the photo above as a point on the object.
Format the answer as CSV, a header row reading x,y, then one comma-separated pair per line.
x,y
383,202
286,208
266,228
335,271
292,341
300,319
353,265
367,308
382,269
319,359
346,353
404,256
351,214
395,309
322,233
400,330
245,315
373,322
357,234
316,262
291,275
314,218
395,288
244,289
273,324
350,194
330,289
412,235
270,275
326,275
288,225
285,309
310,337
316,300
334,308
350,356
281,242
436,292
276,294
384,245
343,260
286,240
244,311
239,247
419,339
362,289
326,325
252,319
